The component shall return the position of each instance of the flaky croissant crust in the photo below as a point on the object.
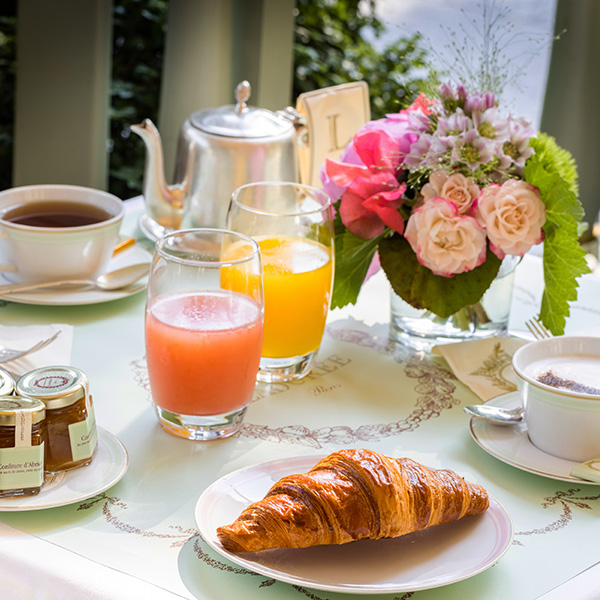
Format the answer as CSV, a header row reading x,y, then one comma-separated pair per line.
x,y
351,495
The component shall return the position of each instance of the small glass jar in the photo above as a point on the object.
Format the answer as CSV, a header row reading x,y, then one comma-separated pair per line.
x,y
22,434
71,436
7,383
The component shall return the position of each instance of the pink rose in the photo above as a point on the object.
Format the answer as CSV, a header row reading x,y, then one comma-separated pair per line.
x,y
445,241
456,188
371,203
513,215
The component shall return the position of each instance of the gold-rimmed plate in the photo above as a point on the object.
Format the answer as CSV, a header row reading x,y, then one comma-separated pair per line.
x,y
108,466
512,445
431,558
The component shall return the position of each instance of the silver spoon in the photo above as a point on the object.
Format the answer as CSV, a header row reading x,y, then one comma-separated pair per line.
x,y
113,280
495,415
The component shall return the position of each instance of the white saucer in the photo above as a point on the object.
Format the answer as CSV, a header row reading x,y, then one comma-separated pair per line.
x,y
108,466
135,254
513,446
426,559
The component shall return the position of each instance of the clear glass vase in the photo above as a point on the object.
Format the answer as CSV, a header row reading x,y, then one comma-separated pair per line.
x,y
422,329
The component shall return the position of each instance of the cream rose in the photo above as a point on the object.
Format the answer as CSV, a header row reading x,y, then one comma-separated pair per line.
x,y
456,188
513,215
443,240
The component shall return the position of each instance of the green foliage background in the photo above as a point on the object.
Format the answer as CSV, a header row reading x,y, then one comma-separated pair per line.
x,y
330,48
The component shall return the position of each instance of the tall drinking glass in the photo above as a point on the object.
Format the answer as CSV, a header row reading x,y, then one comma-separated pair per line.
x,y
204,329
293,226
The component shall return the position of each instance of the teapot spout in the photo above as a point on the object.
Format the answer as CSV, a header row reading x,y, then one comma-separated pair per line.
x,y
164,203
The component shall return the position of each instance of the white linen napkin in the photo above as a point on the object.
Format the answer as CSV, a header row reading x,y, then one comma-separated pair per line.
x,y
32,568
483,365
584,586
25,336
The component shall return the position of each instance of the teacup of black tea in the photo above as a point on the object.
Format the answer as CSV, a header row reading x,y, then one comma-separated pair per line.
x,y
53,232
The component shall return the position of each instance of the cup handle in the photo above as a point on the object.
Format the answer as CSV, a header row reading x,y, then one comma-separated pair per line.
x,y
6,268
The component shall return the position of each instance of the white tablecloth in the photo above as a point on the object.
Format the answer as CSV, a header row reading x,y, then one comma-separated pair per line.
x,y
139,539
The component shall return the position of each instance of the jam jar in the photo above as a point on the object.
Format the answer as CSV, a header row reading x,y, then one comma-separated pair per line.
x,y
7,383
71,435
22,434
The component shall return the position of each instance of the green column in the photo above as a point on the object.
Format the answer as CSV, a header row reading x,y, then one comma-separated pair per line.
x,y
570,112
64,50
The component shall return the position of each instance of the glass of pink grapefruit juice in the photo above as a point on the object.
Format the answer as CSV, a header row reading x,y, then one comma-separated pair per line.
x,y
293,226
204,329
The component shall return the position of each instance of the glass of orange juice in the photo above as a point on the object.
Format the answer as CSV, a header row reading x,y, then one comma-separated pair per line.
x,y
204,328
293,226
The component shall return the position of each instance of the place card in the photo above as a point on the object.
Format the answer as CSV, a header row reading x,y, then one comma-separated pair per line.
x,y
333,115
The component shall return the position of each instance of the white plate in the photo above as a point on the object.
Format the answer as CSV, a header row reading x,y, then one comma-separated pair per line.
x,y
513,446
135,254
426,559
107,467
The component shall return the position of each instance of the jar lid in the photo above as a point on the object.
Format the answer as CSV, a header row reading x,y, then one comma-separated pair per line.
x,y
7,383
56,387
241,120
12,406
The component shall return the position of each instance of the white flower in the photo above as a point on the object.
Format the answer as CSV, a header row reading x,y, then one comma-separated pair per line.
x,y
513,215
444,241
454,187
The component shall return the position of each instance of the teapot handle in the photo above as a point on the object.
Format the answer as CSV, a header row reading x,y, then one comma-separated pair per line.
x,y
299,122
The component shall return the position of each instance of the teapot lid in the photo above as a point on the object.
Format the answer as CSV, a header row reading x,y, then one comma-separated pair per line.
x,y
240,120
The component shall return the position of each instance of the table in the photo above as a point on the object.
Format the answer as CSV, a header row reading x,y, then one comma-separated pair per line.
x,y
139,539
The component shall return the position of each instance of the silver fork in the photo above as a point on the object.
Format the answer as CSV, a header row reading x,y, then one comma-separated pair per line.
x,y
537,329
8,354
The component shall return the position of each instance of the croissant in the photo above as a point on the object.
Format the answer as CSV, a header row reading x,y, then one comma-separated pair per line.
x,y
351,495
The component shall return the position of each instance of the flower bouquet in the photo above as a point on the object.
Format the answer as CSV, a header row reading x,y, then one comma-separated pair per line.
x,y
442,192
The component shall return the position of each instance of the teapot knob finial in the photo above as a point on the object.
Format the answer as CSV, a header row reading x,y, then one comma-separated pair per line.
x,y
242,95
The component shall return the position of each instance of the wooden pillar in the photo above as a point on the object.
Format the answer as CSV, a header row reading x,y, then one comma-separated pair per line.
x,y
570,111
213,45
197,66
64,50
264,50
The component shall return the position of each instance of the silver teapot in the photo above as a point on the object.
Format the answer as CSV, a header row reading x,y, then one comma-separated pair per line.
x,y
219,149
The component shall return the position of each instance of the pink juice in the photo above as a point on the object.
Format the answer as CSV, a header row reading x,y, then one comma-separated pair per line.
x,y
203,351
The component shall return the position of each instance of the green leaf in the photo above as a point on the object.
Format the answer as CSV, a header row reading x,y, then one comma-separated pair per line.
x,y
418,286
353,256
564,258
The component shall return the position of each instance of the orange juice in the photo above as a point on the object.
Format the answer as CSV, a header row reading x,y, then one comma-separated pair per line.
x,y
297,276
203,351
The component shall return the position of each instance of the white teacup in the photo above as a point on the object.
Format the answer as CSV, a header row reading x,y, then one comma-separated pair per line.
x,y
562,410
32,250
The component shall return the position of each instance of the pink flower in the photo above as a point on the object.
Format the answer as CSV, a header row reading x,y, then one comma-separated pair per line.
x,y
370,203
513,215
422,103
454,187
378,152
444,241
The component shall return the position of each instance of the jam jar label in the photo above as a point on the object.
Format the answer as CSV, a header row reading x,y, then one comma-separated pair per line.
x,y
22,467
83,437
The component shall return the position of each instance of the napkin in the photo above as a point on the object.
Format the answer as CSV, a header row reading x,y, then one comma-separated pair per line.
x,y
485,366
27,561
25,336
583,586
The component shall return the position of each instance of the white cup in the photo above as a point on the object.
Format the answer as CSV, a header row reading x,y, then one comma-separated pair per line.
x,y
32,253
561,422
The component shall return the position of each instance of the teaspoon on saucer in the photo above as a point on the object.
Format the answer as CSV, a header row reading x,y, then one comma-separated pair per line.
x,y
495,415
113,280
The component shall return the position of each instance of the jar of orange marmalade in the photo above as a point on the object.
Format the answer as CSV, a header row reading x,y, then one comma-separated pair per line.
x,y
71,435
21,446
7,383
